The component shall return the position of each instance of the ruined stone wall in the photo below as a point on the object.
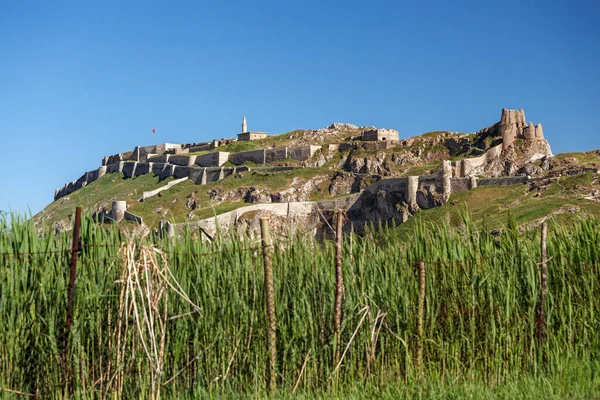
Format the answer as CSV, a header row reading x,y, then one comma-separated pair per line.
x,y
475,166
302,153
342,146
164,158
460,185
215,159
276,154
255,156
86,178
185,161
380,134
502,181
143,169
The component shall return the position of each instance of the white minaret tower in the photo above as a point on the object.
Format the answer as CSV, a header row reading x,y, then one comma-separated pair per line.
x,y
244,125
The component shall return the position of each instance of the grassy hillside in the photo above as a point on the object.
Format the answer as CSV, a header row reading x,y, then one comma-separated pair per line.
x,y
491,206
567,196
170,204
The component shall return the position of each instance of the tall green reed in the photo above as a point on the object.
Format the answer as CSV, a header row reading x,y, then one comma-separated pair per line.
x,y
480,309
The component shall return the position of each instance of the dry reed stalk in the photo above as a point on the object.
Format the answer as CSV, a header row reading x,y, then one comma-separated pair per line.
x,y
421,316
374,337
267,244
544,279
339,284
366,312
144,298
301,372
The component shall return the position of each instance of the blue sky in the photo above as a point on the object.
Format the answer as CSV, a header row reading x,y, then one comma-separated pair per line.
x,y
82,79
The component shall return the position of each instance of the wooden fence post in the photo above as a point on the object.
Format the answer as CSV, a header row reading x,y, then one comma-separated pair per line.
x,y
71,293
267,245
421,316
339,284
544,277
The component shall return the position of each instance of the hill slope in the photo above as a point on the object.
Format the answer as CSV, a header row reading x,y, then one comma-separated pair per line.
x,y
566,184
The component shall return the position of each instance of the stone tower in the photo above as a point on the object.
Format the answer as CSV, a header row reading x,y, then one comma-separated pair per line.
x,y
244,125
512,123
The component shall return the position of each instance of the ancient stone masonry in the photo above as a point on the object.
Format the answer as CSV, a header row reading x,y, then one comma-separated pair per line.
x,y
503,159
510,127
247,136
387,200
179,166
513,126
514,143
380,134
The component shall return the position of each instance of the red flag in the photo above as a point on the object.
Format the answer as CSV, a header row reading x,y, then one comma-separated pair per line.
x,y
153,130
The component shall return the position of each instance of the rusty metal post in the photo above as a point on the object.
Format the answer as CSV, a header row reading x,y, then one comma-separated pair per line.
x,y
339,285
267,245
71,292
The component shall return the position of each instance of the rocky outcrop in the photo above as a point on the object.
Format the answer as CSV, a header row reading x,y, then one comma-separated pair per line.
x,y
510,145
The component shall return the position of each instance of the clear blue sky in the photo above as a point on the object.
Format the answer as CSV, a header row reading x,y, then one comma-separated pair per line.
x,y
84,79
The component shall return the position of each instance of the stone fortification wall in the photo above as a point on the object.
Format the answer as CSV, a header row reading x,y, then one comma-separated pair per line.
x,y
215,159
129,168
302,153
118,167
276,154
460,185
371,145
185,161
342,146
159,148
255,156
380,134
476,166
502,181
182,172
87,177
114,159
128,216
163,158
201,147
225,221
381,145
299,153
202,176
154,192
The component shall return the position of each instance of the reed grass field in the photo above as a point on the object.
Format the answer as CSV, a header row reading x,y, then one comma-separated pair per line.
x,y
181,318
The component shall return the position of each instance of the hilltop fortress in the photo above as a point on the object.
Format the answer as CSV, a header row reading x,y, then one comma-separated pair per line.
x,y
503,150
168,159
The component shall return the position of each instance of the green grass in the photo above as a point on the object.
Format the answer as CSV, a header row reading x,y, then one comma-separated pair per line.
x,y
584,157
489,206
239,147
102,192
419,170
482,297
114,187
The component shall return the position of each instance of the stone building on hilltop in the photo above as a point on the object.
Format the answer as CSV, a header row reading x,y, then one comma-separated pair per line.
x,y
381,135
247,136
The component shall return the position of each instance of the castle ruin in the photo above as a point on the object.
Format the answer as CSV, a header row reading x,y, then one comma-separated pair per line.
x,y
380,135
512,133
